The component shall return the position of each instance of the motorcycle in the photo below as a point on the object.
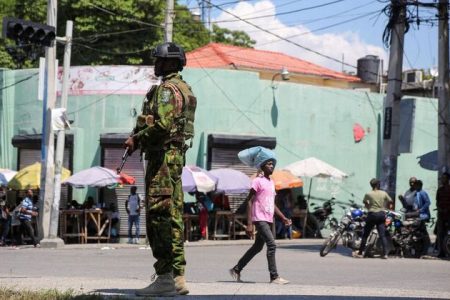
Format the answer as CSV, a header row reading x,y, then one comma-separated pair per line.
x,y
321,218
349,229
446,239
406,236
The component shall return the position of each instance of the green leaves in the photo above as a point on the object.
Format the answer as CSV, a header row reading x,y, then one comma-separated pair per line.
x,y
116,32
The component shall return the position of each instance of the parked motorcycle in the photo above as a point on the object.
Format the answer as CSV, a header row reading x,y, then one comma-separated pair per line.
x,y
446,240
350,230
406,236
321,218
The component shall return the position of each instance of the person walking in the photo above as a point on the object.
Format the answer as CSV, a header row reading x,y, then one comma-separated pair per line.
x,y
443,212
260,211
133,208
376,202
26,212
164,132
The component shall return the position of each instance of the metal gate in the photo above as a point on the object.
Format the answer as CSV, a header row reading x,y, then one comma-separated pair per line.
x,y
112,157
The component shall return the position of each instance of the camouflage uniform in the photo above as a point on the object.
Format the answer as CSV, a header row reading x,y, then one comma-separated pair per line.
x,y
162,130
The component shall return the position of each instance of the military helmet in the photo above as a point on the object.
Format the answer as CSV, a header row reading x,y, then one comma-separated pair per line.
x,y
170,50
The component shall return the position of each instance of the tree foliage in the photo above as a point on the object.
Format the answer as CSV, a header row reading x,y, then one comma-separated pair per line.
x,y
232,37
115,32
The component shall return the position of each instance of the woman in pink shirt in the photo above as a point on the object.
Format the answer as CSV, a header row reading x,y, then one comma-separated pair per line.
x,y
260,210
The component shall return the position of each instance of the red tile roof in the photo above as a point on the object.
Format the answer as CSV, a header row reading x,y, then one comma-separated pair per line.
x,y
215,55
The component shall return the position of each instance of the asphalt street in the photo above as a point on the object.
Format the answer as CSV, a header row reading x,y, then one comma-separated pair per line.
x,y
118,269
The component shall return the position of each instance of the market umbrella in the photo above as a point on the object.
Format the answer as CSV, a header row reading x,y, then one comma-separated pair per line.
x,y
312,167
231,181
126,179
5,176
284,179
197,179
30,177
93,177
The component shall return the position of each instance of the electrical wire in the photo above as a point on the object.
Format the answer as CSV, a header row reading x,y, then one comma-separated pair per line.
x,y
276,14
20,81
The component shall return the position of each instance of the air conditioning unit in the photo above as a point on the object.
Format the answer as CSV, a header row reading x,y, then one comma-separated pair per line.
x,y
413,76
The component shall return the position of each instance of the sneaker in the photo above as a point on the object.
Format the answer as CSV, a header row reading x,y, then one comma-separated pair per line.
x,y
279,280
235,274
130,241
384,256
357,255
180,285
163,286
37,246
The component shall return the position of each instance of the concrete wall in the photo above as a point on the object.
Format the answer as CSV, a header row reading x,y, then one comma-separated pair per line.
x,y
306,121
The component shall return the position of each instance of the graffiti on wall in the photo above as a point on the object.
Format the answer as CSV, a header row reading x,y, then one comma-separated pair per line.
x,y
98,80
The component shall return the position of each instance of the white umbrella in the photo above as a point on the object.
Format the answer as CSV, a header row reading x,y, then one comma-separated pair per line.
x,y
93,177
312,167
5,176
194,178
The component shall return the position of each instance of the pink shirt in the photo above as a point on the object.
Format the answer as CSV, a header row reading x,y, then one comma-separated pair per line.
x,y
264,199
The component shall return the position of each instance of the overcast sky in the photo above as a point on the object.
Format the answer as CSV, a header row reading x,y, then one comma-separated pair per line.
x,y
318,28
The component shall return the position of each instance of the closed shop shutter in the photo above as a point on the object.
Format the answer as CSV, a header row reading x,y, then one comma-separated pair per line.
x,y
227,158
30,156
133,167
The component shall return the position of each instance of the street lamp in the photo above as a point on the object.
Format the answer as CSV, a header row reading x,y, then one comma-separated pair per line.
x,y
284,76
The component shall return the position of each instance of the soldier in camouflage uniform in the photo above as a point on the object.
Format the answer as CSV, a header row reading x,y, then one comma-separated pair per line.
x,y
162,132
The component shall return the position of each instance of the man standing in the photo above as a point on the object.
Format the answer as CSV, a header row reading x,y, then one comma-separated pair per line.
x,y
443,211
26,212
409,197
133,207
376,202
162,133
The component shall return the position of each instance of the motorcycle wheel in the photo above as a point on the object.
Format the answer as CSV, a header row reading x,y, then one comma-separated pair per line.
x,y
447,245
371,244
412,251
330,243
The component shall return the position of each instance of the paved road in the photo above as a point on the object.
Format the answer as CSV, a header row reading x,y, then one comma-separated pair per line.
x,y
118,269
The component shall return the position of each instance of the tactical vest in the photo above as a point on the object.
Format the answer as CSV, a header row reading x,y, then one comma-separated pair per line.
x,y
184,124
183,128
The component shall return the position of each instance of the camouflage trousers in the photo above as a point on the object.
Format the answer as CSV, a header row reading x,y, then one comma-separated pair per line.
x,y
164,208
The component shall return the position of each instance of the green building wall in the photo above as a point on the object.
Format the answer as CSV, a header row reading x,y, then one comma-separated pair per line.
x,y
306,121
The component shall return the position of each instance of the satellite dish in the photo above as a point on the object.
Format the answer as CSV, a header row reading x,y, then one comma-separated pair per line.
x,y
434,72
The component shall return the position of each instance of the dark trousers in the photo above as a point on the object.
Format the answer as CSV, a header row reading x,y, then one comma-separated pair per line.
x,y
5,224
264,236
441,226
375,219
26,228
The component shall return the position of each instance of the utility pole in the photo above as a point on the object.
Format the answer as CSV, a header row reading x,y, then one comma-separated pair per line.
x,y
48,143
59,158
391,128
443,91
168,26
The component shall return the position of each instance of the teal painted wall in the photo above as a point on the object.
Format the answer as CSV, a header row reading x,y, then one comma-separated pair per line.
x,y
306,121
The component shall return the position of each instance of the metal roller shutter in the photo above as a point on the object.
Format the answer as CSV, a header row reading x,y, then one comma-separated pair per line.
x,y
134,167
227,158
30,156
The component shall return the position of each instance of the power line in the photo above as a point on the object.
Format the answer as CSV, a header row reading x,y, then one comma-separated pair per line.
x,y
285,39
276,14
112,53
126,18
20,81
